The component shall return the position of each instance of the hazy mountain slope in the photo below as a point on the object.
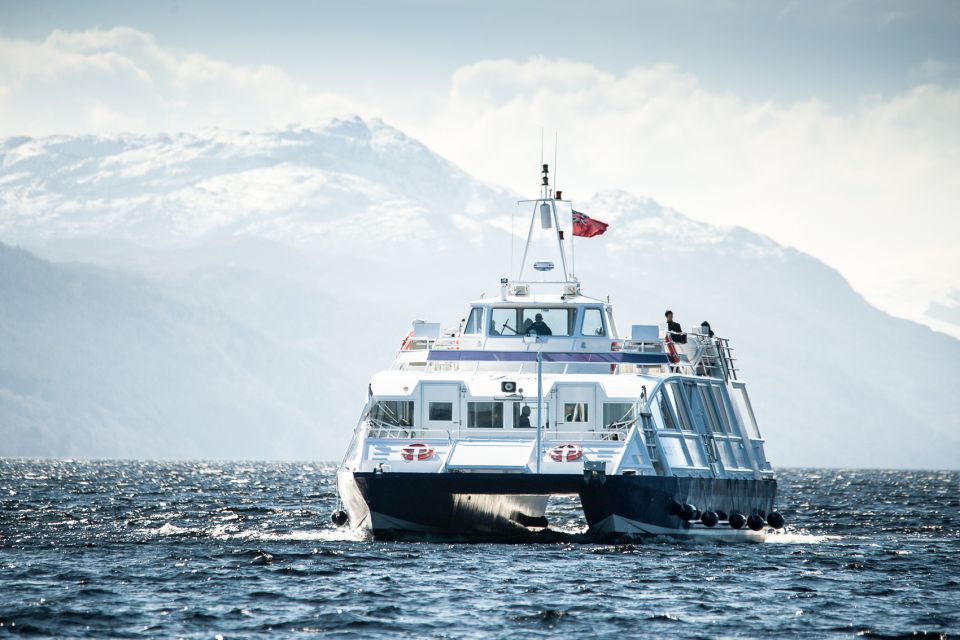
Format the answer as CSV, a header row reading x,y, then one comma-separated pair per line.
x,y
326,243
94,363
834,380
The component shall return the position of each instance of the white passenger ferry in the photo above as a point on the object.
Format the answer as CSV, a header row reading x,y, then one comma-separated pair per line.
x,y
537,394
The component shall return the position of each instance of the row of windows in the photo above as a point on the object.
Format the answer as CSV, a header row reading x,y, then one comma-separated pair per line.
x,y
489,415
546,321
682,406
690,400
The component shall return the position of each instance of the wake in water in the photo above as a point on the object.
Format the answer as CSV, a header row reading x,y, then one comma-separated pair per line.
x,y
224,532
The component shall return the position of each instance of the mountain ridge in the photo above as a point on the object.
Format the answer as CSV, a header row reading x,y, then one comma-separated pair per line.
x,y
339,238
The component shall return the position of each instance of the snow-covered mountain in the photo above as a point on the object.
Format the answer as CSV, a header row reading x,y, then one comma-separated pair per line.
x,y
325,243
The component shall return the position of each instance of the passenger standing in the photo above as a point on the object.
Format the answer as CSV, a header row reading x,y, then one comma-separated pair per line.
x,y
673,328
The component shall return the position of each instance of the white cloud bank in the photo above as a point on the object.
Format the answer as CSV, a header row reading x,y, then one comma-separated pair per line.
x,y
121,79
871,188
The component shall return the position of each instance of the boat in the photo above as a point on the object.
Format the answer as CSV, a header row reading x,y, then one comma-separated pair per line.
x,y
537,394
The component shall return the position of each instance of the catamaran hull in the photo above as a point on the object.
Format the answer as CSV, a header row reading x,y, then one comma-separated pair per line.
x,y
478,504
648,505
496,504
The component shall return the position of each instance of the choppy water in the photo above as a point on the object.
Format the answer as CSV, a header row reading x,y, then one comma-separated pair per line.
x,y
199,549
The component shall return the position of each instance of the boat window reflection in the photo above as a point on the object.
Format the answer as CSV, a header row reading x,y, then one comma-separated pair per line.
x,y
619,415
485,415
575,412
396,413
474,321
593,323
441,411
542,321
525,415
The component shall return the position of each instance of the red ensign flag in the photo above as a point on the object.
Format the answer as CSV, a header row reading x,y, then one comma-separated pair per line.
x,y
584,225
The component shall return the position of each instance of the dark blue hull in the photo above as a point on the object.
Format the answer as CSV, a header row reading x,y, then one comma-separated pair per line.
x,y
480,504
649,504
504,504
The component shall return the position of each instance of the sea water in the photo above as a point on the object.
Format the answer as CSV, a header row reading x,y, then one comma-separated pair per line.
x,y
232,549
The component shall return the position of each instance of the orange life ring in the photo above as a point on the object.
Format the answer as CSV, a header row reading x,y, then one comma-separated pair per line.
x,y
671,349
416,451
566,453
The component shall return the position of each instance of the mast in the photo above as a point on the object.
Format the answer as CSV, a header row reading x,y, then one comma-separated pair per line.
x,y
545,208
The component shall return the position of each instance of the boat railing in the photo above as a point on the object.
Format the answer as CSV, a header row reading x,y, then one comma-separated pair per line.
x,y
379,430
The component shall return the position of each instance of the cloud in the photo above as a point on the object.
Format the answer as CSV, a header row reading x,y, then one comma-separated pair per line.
x,y
66,83
871,189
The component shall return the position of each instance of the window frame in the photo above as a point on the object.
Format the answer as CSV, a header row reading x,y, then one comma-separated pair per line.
x,y
496,404
603,322
570,325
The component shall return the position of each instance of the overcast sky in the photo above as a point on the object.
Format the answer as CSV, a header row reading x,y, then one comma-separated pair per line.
x,y
833,127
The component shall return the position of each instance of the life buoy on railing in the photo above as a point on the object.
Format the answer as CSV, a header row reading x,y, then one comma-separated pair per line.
x,y
416,451
671,349
566,453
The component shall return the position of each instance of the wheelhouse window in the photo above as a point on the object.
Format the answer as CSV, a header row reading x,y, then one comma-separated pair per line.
x,y
542,321
441,411
593,323
485,415
474,321
395,413
619,415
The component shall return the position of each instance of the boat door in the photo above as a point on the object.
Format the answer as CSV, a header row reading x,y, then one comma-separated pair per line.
x,y
576,407
440,406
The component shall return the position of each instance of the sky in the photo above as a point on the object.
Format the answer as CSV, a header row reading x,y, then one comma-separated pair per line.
x,y
831,126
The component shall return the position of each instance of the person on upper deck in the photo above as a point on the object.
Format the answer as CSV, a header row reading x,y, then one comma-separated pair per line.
x,y
539,326
705,329
673,328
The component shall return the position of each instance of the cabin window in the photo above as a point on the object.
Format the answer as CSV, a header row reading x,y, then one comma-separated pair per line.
x,y
662,406
519,321
575,412
709,410
525,415
619,415
674,453
675,393
394,413
485,415
474,321
593,323
696,453
441,411
742,402
725,418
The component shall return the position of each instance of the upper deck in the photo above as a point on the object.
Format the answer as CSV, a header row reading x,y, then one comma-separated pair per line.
x,y
570,332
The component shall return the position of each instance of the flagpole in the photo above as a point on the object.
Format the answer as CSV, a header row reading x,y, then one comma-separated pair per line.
x,y
573,252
